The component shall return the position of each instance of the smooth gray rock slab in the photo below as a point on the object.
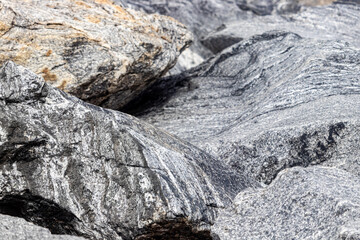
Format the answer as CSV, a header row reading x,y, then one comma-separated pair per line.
x,y
333,22
271,102
313,203
79,169
12,228
96,50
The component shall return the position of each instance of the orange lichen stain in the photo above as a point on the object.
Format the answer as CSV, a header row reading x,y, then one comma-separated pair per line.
x,y
62,85
121,13
166,38
48,53
48,76
104,2
81,3
4,27
120,9
22,56
93,19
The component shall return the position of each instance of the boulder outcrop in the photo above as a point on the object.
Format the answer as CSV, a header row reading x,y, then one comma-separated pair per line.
x,y
79,169
93,49
271,102
201,17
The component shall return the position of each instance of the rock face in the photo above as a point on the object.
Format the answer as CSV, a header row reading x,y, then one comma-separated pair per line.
x,y
201,17
268,103
268,7
335,22
204,18
312,203
78,169
12,228
93,49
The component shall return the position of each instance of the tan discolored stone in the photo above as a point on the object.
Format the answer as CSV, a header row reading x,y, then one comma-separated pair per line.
x,y
90,47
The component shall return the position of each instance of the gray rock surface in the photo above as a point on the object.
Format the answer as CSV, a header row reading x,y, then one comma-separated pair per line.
x,y
268,7
201,17
333,22
93,49
12,228
268,103
79,169
205,17
313,203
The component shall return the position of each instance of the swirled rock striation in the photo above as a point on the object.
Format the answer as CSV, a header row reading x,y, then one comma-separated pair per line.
x,y
79,169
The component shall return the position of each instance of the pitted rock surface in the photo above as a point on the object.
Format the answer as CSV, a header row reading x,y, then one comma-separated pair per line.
x,y
79,169
93,49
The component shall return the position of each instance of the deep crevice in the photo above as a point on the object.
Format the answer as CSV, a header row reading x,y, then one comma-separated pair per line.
x,y
175,230
40,211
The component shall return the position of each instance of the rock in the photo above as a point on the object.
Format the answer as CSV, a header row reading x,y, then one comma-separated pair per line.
x,y
347,1
268,7
334,22
268,103
312,203
216,42
201,17
79,169
93,49
12,228
204,18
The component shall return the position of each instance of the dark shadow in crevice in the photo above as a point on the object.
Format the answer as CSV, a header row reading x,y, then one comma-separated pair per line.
x,y
40,211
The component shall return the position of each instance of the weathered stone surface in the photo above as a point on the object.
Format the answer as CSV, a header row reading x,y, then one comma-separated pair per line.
x,y
336,22
78,169
267,7
268,103
94,49
217,41
312,203
12,228
201,17
205,17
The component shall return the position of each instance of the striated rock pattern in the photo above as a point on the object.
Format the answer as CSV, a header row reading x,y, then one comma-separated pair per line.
x,y
267,7
93,49
78,169
12,228
271,102
334,22
313,203
204,18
